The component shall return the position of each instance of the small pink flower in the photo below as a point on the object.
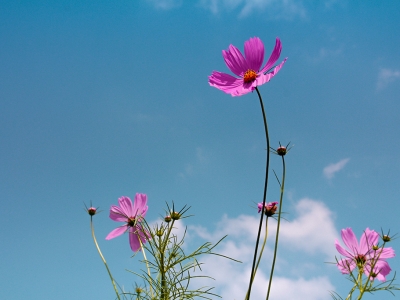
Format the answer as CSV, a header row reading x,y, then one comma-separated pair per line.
x,y
269,209
132,215
364,255
247,68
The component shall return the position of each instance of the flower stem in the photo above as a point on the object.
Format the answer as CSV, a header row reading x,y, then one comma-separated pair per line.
x,y
264,195
103,259
261,252
278,225
147,266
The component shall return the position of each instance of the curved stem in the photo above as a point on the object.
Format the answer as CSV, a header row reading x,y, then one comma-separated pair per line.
x,y
103,259
264,195
277,226
261,252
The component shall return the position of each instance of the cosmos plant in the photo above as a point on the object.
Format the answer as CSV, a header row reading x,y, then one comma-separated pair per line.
x,y
170,268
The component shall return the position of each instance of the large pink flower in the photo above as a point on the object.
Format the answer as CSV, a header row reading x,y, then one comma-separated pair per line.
x,y
247,68
132,215
364,255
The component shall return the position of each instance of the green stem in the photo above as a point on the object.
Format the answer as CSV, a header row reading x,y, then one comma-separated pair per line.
x,y
278,225
261,252
147,266
103,259
164,292
351,292
368,280
264,195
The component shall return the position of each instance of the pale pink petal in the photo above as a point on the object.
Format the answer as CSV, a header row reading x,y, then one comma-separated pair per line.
x,y
346,266
140,205
386,253
126,206
261,78
254,52
136,233
350,240
368,239
117,214
274,56
235,60
116,232
343,251
228,84
381,268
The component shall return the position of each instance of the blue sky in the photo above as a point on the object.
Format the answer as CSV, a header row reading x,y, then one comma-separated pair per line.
x,y
103,99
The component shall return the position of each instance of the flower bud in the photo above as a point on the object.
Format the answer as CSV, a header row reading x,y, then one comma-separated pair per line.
x,y
167,219
386,238
92,211
281,151
175,215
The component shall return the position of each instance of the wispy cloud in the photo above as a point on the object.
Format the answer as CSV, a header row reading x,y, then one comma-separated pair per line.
x,y
332,169
303,278
165,4
325,53
200,160
277,9
385,77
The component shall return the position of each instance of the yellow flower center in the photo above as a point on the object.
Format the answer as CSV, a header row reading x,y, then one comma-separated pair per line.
x,y
249,76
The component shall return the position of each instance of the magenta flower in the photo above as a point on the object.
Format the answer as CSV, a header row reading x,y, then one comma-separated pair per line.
x,y
247,68
132,215
269,208
364,255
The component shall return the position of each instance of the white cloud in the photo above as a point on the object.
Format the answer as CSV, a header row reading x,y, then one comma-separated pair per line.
x,y
310,235
277,9
324,53
165,4
199,161
330,170
385,77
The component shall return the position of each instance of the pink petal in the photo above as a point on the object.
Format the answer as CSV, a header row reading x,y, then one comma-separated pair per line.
x,y
117,214
140,205
261,79
235,60
350,240
346,266
134,234
116,232
254,52
126,206
386,253
343,251
274,56
381,268
228,84
368,239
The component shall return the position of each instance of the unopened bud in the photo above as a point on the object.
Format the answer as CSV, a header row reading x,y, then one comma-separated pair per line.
x,y
281,151
92,211
386,238
175,215
167,219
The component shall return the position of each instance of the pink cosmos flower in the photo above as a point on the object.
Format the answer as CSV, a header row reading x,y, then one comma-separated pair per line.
x,y
364,255
269,209
247,68
132,215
